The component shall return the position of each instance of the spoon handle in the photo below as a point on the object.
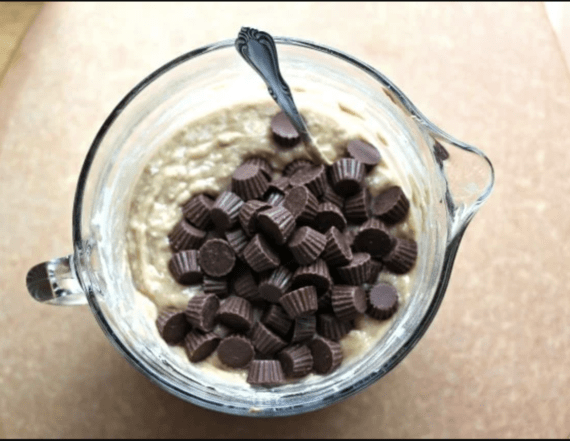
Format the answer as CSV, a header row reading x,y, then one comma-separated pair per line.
x,y
258,49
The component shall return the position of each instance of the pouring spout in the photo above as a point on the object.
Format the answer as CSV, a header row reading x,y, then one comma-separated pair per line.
x,y
469,175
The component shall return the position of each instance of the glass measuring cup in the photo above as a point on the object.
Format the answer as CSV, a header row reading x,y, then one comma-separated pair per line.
x,y
453,179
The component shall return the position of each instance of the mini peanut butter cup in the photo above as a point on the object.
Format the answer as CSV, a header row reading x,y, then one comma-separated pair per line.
x,y
373,238
391,206
331,196
301,203
172,326
357,271
244,285
303,329
265,373
281,184
259,255
248,215
263,164
306,245
265,341
327,355
275,198
347,176
216,285
300,302
184,267
296,165
275,284
337,251
316,274
356,207
238,240
313,177
197,211
185,236
216,257
284,132
199,345
201,311
277,223
376,268
382,301
402,257
236,313
364,152
348,302
297,361
276,319
225,211
332,328
330,215
236,351
249,181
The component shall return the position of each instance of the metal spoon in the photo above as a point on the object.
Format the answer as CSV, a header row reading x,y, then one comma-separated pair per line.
x,y
258,49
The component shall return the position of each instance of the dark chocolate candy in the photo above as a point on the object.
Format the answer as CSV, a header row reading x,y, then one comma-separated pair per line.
x,y
199,345
296,360
364,152
382,301
216,257
277,223
275,284
201,311
225,211
301,203
276,319
259,255
402,257
265,341
306,244
249,181
248,215
348,302
172,326
347,176
236,351
327,355
236,313
313,177
185,236
316,274
357,271
284,132
337,251
391,206
265,373
300,302
197,211
373,238
185,268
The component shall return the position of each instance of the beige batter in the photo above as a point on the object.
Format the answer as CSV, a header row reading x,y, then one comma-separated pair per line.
x,y
201,158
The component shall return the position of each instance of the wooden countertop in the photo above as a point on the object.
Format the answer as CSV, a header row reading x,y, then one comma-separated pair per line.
x,y
494,363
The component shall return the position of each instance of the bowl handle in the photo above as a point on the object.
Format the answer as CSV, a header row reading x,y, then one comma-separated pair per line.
x,y
55,282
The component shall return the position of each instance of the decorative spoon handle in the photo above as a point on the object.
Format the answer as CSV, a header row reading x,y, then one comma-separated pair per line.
x,y
258,49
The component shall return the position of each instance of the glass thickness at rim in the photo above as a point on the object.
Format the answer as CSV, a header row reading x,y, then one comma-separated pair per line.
x,y
449,257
